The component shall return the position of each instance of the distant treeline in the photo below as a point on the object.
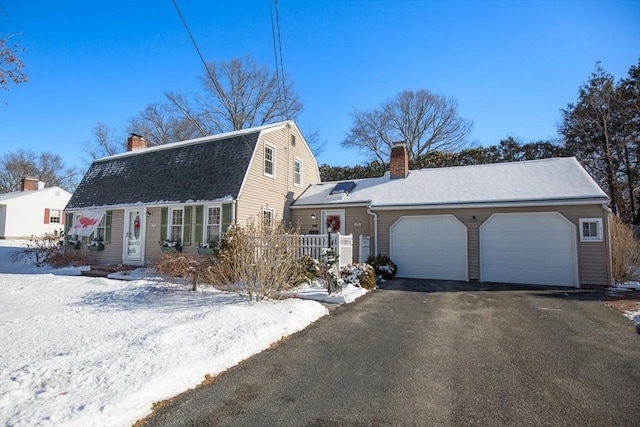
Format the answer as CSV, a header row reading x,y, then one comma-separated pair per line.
x,y
508,150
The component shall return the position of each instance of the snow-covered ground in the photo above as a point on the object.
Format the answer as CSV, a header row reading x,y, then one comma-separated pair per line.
x,y
86,351
630,286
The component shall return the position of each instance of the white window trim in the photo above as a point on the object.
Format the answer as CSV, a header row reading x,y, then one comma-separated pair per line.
x,y
52,216
205,228
599,229
273,214
273,161
297,160
170,225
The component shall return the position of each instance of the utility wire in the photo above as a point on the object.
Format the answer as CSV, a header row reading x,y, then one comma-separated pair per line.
x,y
194,42
284,91
277,48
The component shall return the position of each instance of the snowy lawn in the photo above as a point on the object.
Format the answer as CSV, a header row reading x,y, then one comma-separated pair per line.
x,y
632,286
90,351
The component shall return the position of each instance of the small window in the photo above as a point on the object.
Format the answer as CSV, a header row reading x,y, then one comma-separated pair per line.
x,y
293,140
297,172
269,160
590,229
54,216
268,216
176,221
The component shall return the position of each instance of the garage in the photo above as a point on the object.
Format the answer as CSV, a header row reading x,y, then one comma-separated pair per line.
x,y
529,248
430,247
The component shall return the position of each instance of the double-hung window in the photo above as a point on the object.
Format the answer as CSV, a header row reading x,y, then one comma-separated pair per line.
x,y
297,172
176,222
213,224
269,160
100,233
268,215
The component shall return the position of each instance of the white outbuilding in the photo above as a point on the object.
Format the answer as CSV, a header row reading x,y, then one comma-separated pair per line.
x,y
32,211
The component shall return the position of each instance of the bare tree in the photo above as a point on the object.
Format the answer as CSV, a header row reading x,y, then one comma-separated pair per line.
x,y
106,142
235,95
47,167
10,64
240,94
423,120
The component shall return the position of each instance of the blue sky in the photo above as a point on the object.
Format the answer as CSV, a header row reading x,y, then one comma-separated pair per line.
x,y
511,65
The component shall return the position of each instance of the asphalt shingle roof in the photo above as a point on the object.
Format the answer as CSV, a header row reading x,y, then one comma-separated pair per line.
x,y
536,181
192,171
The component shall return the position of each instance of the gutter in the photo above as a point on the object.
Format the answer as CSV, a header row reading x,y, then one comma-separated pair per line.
x,y
565,202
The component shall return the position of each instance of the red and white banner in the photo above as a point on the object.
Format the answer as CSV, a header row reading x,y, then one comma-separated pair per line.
x,y
85,223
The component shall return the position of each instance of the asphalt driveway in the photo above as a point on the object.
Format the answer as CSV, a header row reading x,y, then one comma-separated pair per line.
x,y
436,353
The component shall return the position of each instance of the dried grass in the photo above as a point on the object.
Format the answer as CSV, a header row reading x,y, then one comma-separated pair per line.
x,y
625,250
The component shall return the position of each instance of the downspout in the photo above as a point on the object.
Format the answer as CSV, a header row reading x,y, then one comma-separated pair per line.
x,y
233,212
607,216
375,229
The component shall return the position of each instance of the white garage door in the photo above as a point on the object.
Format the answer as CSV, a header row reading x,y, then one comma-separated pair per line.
x,y
535,248
430,247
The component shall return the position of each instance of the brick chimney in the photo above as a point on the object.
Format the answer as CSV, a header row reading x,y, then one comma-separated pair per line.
x,y
29,184
399,162
136,142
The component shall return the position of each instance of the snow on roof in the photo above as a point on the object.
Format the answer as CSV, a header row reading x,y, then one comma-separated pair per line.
x,y
198,140
20,193
557,179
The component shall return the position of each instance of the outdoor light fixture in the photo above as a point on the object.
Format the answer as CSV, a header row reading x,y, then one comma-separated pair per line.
x,y
149,213
313,216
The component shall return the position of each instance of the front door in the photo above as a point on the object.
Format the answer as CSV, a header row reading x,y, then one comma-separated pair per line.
x,y
335,219
134,237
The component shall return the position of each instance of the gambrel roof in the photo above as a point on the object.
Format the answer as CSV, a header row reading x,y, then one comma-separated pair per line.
x,y
199,170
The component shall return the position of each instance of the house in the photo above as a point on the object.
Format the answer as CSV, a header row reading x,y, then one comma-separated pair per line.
x,y
32,211
535,222
191,191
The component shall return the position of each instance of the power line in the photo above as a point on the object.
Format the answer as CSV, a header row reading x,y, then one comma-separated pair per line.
x,y
194,42
279,74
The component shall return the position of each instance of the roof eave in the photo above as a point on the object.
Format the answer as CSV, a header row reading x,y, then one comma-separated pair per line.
x,y
500,204
159,204
329,205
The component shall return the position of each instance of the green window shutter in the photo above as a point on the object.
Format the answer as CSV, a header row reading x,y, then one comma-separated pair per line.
x,y
198,224
107,227
187,226
226,216
68,222
164,216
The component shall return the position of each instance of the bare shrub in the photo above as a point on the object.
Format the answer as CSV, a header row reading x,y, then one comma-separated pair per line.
x,y
259,260
43,247
68,257
625,250
191,269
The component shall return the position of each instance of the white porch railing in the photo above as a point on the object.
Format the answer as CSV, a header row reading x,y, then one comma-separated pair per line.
x,y
342,244
312,245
